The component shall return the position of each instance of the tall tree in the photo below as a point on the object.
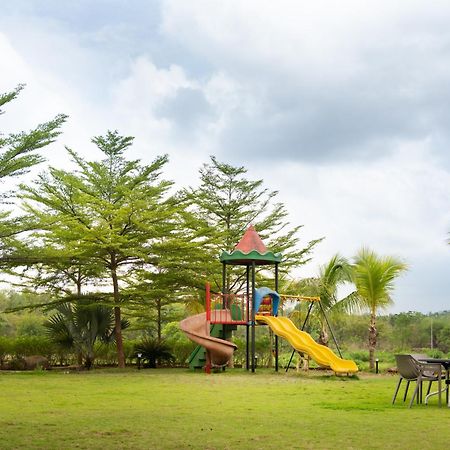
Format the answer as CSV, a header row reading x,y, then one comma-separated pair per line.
x,y
227,202
110,212
374,277
18,153
173,279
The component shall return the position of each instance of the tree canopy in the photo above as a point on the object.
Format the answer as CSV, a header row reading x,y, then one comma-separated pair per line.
x,y
107,214
226,202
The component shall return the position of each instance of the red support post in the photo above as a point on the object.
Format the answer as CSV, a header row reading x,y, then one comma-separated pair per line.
x,y
208,302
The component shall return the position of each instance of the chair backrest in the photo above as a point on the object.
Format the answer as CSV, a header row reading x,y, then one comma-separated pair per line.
x,y
407,367
419,356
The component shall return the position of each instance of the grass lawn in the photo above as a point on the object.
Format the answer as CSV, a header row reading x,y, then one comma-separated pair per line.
x,y
178,409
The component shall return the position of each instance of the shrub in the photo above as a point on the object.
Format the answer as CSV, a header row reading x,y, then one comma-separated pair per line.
x,y
154,352
435,353
5,349
32,345
362,356
16,364
181,347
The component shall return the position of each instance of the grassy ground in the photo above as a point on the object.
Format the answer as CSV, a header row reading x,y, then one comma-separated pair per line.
x,y
177,409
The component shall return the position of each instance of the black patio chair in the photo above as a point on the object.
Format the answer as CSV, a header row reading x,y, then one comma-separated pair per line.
x,y
410,369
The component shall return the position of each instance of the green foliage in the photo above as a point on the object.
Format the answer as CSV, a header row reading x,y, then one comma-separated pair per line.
x,y
106,354
18,153
332,276
109,215
17,150
154,352
359,356
31,345
443,338
181,347
31,325
6,347
78,326
374,277
225,204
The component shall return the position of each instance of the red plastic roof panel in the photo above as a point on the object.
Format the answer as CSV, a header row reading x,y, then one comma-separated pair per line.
x,y
249,250
251,241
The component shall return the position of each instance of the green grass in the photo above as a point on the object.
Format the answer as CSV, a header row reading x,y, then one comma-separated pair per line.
x,y
177,409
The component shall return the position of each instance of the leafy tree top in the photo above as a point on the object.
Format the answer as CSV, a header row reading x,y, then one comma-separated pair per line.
x,y
17,151
374,278
109,209
226,202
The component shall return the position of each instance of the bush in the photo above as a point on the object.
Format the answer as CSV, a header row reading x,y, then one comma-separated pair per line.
x,y
106,354
153,352
16,364
32,345
30,325
180,346
14,350
435,353
5,349
362,356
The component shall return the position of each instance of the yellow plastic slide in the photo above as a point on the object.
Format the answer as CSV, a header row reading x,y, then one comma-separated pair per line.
x,y
303,342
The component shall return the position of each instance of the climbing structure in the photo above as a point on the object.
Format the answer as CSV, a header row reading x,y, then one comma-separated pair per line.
x,y
251,252
226,310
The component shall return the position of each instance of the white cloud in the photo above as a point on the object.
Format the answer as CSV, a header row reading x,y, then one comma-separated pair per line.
x,y
342,107
396,206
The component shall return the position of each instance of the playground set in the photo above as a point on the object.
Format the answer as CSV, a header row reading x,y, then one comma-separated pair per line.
x,y
226,311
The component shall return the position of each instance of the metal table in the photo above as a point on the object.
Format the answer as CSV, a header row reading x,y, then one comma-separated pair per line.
x,y
446,364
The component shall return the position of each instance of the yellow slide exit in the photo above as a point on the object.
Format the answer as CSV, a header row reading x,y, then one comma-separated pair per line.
x,y
303,342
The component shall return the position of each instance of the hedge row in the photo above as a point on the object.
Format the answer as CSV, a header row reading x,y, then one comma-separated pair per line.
x,y
19,347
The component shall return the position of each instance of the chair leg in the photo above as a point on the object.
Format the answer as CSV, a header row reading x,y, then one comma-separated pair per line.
x,y
440,390
396,391
406,391
416,393
429,387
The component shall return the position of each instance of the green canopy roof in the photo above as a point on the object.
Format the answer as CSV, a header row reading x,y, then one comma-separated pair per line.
x,y
238,257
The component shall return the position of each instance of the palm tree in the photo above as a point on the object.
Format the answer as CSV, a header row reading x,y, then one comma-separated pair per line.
x,y
79,325
374,277
332,276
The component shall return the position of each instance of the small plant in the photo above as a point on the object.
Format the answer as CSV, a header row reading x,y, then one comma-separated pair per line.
x,y
435,354
154,352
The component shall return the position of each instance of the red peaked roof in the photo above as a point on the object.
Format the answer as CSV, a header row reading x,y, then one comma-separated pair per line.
x,y
251,241
250,250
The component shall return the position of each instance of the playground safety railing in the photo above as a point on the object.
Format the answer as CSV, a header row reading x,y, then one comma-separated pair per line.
x,y
228,309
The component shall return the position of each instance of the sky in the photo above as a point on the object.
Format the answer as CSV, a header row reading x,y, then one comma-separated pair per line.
x,y
342,107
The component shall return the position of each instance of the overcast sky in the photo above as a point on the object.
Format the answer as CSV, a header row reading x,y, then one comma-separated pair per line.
x,y
343,107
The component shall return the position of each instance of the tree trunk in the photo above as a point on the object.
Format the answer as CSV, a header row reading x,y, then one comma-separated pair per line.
x,y
324,338
271,349
118,321
373,333
158,325
89,361
79,283
118,335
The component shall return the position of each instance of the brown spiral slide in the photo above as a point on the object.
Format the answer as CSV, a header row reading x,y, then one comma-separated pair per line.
x,y
218,351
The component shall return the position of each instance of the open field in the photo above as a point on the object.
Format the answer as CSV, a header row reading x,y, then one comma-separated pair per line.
x,y
178,409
